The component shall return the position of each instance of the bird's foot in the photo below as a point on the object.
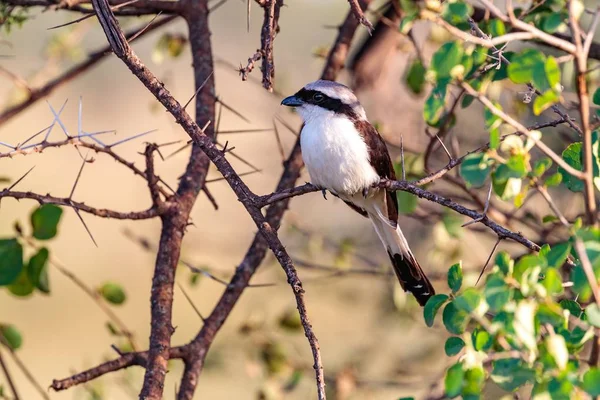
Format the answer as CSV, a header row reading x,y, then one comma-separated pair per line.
x,y
324,192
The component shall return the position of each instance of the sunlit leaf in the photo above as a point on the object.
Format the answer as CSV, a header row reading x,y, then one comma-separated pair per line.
x,y
453,381
455,277
455,320
11,335
113,293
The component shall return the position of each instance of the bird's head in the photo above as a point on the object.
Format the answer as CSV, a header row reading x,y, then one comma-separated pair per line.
x,y
325,98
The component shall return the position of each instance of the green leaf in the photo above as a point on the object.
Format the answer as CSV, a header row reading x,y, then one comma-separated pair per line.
x,y
453,381
552,22
482,340
453,346
523,64
11,335
573,307
554,180
558,254
475,169
544,250
468,300
474,381
552,282
434,105
22,286
552,71
511,373
545,101
415,77
581,286
44,221
496,27
456,12
11,260
591,381
455,277
455,320
572,155
37,269
504,262
592,313
496,292
596,97
448,56
453,223
518,164
432,306
113,293
541,166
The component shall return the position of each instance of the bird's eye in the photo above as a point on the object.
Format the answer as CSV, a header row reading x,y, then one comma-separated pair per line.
x,y
318,97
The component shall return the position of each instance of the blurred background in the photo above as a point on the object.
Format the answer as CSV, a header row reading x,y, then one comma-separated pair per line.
x,y
374,342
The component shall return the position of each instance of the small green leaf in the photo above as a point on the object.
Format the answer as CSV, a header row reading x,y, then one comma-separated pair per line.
x,y
432,306
511,373
558,254
496,27
11,335
552,282
455,320
113,293
518,166
434,105
591,381
496,292
475,169
22,286
572,155
504,262
37,269
11,260
545,101
523,64
596,97
44,221
453,346
482,340
456,12
455,277
541,166
474,380
453,381
592,313
549,218
573,307
552,22
554,180
448,56
468,300
415,77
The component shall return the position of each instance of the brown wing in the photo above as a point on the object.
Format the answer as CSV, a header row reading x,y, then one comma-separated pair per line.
x,y
381,162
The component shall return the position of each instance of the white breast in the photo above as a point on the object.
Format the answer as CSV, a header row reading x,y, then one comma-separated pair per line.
x,y
335,155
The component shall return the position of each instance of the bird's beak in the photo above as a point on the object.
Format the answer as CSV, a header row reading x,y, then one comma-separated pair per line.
x,y
292,101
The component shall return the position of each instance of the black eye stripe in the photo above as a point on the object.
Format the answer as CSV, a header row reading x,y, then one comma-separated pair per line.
x,y
328,103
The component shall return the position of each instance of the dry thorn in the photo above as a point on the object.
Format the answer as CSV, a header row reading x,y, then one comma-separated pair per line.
x,y
489,258
485,209
198,313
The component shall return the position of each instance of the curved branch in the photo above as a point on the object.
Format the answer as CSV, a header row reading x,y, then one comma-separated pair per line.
x,y
64,201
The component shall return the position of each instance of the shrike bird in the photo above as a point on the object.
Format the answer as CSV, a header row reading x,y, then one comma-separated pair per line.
x,y
345,154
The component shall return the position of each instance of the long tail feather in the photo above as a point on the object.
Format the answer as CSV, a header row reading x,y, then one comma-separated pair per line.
x,y
407,269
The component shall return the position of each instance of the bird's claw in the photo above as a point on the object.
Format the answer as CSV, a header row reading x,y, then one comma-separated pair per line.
x,y
324,192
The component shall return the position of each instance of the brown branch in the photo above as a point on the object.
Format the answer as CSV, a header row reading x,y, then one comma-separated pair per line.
x,y
195,352
581,59
267,38
63,201
37,94
258,249
245,71
9,378
358,12
127,7
24,370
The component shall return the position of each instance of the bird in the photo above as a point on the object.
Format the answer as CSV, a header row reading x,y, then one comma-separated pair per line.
x,y
345,155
